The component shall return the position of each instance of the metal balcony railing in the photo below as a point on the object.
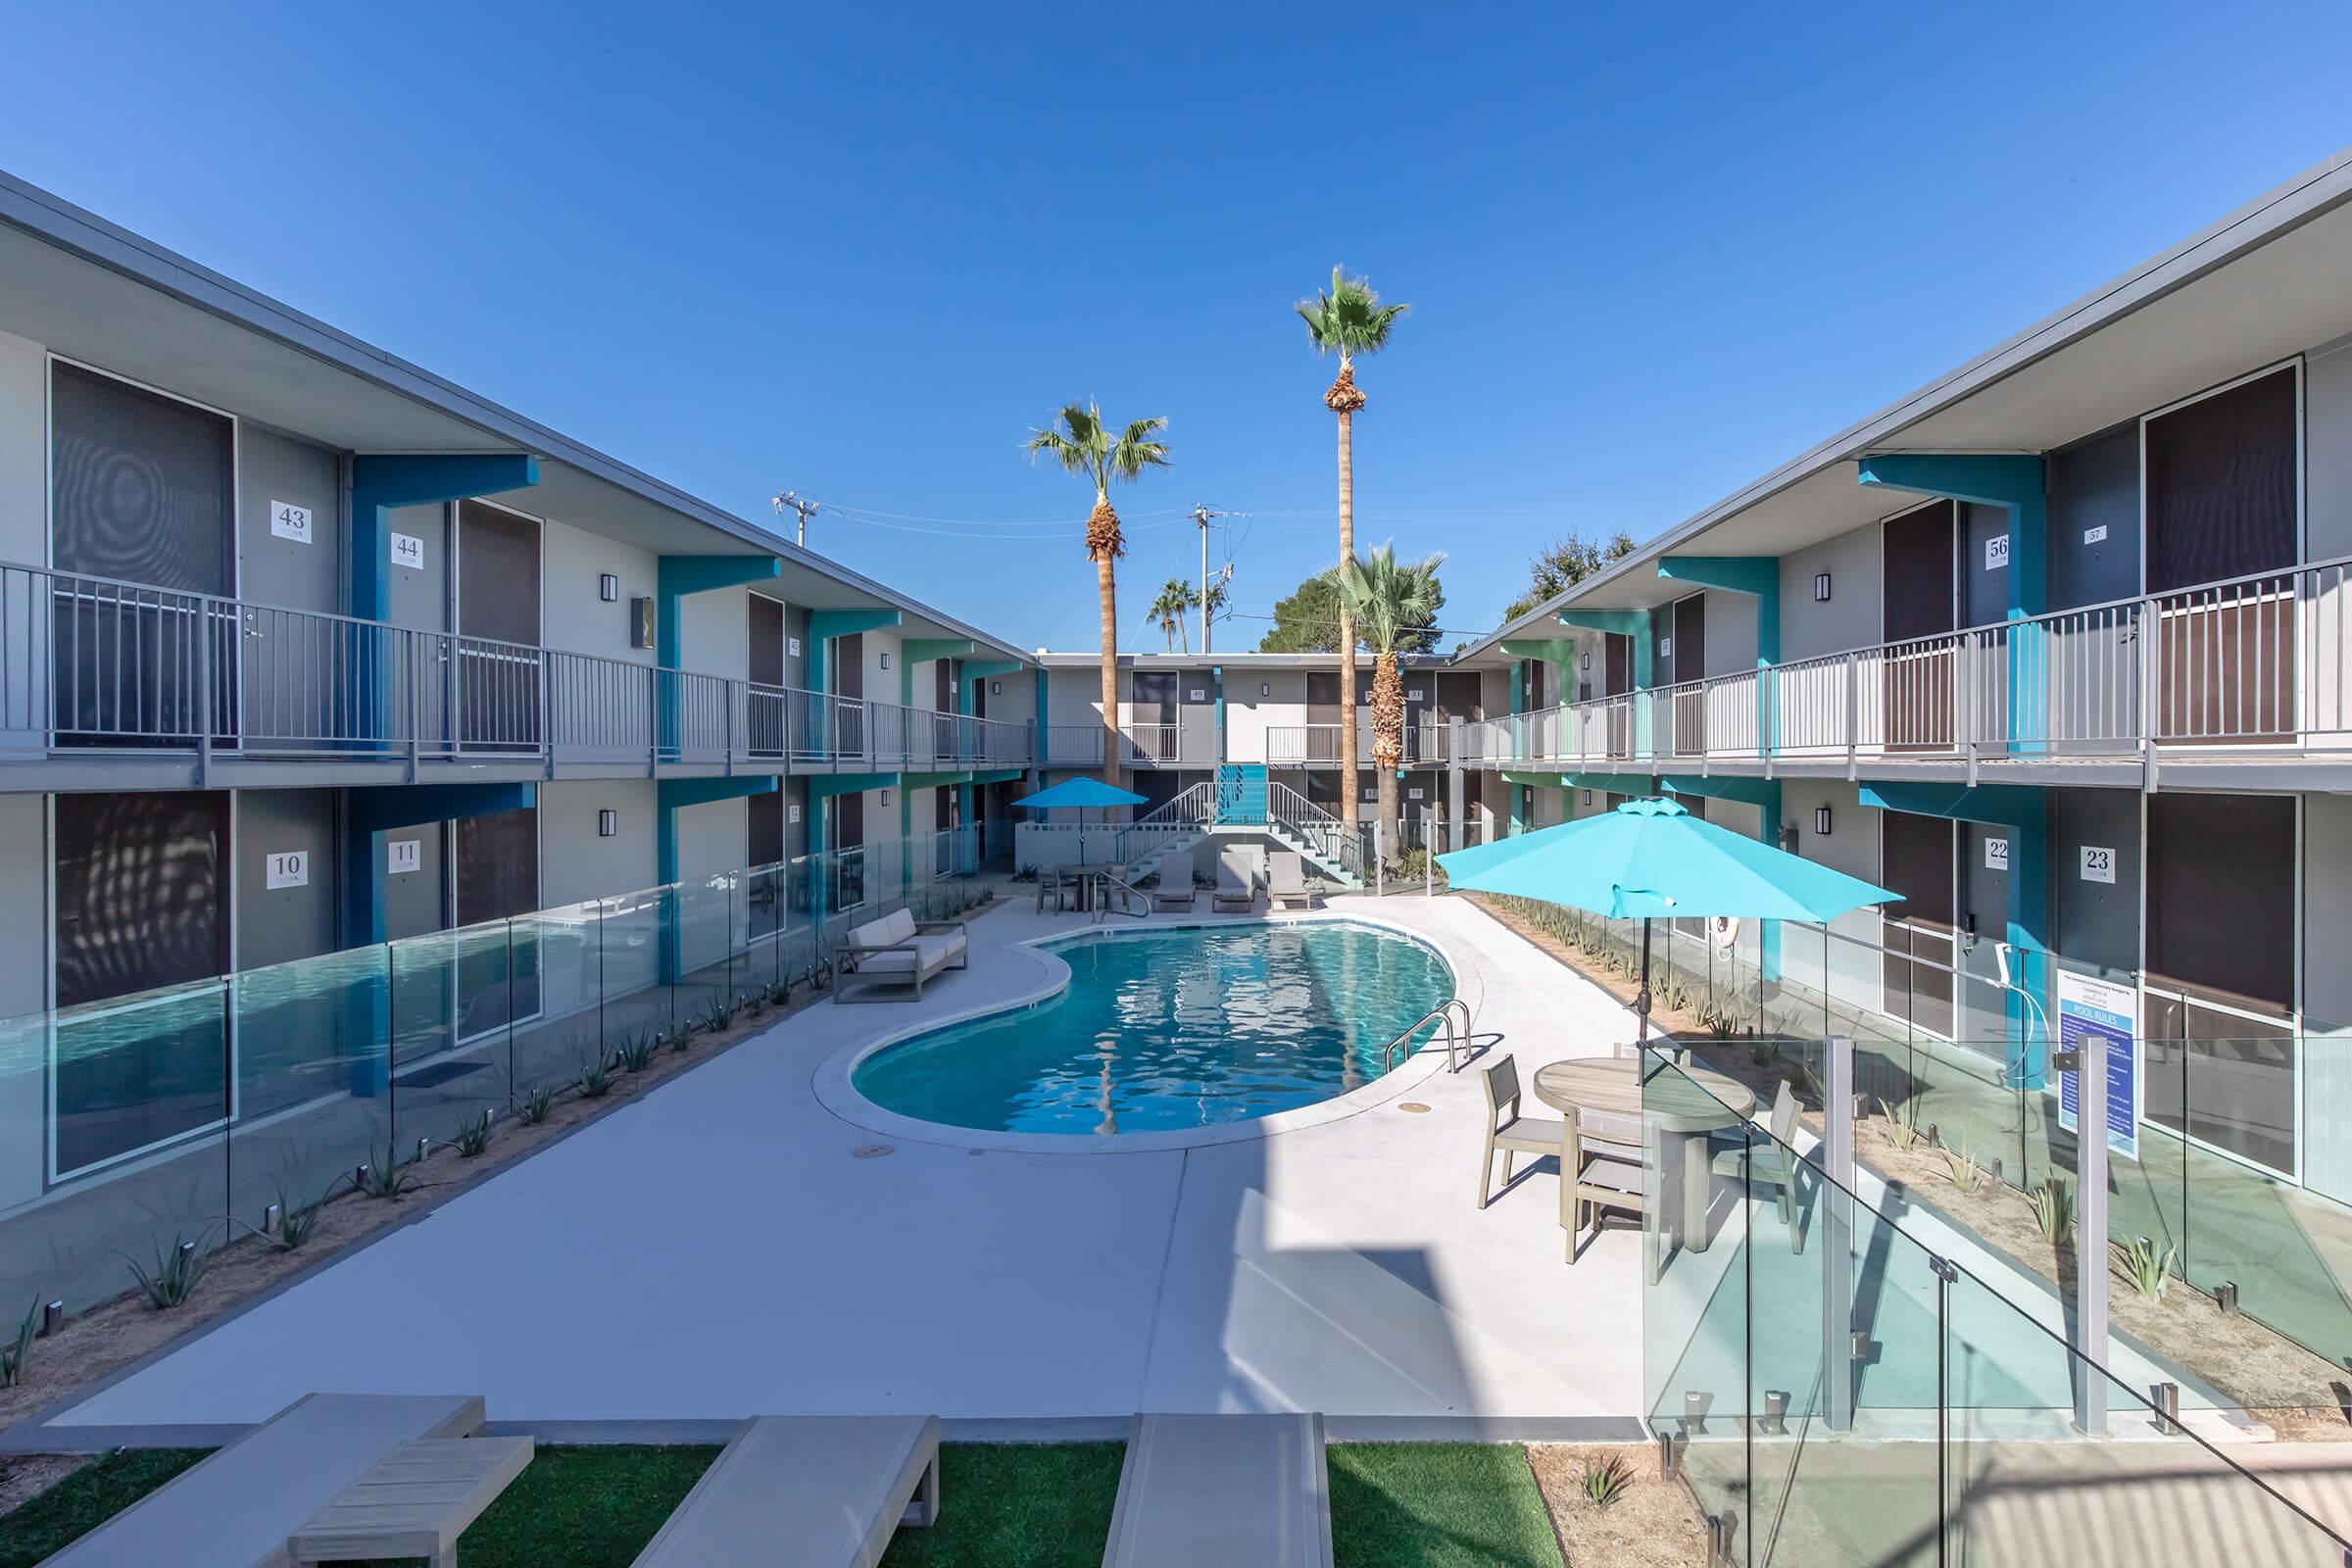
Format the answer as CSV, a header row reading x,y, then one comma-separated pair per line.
x,y
90,666
1142,745
2262,661
1318,745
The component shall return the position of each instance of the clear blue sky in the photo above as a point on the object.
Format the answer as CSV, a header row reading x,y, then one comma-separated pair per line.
x,y
1649,254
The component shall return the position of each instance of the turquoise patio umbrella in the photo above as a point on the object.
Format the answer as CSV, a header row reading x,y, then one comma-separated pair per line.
x,y
1078,793
1650,858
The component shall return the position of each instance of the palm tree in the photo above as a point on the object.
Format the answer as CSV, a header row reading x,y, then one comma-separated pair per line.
x,y
1349,321
1389,602
1176,599
1083,444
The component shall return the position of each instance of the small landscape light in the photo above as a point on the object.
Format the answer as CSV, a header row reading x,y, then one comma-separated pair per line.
x,y
608,588
1821,822
423,1147
2224,1296
53,1318
607,823
270,1217
187,1252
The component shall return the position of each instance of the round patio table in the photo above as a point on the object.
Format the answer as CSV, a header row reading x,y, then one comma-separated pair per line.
x,y
1608,1099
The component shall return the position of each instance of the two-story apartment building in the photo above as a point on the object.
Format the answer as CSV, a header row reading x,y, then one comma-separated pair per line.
x,y
305,651
2056,647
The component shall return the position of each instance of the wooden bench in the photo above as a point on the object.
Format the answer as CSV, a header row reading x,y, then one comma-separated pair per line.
x,y
412,1502
237,1508
1201,1490
812,1490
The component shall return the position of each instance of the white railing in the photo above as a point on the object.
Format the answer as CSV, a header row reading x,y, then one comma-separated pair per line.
x,y
1318,745
90,666
2263,661
1148,745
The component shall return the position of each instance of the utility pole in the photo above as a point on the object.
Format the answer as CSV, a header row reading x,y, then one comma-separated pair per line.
x,y
1201,514
790,501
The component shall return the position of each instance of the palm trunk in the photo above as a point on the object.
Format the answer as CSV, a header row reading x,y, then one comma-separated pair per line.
x,y
1106,590
1388,746
1184,631
1350,787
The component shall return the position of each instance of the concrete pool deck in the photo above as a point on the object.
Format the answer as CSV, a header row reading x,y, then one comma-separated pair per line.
x,y
720,1248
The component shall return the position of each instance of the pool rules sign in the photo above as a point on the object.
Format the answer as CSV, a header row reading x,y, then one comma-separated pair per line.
x,y
2095,1017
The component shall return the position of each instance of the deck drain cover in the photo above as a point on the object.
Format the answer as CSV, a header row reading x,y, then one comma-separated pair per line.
x,y
1413,1105
871,1150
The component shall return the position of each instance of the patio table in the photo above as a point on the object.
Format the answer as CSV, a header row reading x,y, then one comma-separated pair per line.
x,y
1607,1097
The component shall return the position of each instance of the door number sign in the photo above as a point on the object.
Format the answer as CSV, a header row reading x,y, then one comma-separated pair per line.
x,y
407,550
403,856
2098,865
1996,855
290,522
288,868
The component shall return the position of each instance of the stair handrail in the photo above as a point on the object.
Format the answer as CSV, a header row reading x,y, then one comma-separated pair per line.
x,y
1458,1042
1107,879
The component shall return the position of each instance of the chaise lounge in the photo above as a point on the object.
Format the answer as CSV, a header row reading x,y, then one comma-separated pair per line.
x,y
897,951
1175,890
1222,1489
814,1491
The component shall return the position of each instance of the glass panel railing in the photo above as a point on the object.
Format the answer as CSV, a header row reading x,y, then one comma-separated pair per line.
x,y
1843,1382
314,1074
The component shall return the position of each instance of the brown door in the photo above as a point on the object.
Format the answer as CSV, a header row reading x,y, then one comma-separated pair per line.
x,y
1690,665
2221,507
1322,717
1917,676
498,627
1918,932
764,708
1617,680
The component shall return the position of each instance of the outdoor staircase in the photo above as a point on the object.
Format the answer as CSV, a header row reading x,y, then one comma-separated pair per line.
x,y
1242,799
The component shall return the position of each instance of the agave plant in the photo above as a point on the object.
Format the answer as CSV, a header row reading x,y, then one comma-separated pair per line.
x,y
296,1221
1967,1175
2054,1209
474,1136
1605,1482
532,1108
177,1271
1902,1123
2148,1267
717,1018
636,1053
13,1357
387,1175
596,1077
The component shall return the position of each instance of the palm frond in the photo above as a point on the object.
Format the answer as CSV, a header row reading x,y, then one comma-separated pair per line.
x,y
1350,320
1389,598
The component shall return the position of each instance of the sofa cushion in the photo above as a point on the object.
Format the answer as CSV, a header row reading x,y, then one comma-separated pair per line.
x,y
892,962
900,924
872,934
938,948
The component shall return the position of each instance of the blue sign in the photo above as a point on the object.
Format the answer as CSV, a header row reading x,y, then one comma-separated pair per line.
x,y
2097,1018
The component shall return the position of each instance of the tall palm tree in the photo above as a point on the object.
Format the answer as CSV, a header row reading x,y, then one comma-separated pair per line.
x,y
1349,321
1176,600
1389,602
1083,444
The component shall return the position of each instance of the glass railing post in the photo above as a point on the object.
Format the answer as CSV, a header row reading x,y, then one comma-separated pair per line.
x,y
1837,1234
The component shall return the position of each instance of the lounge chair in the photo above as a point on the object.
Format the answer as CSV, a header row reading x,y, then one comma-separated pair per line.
x,y
1237,884
239,1508
813,1491
1175,890
1285,881
897,951
1511,1133
1222,1489
1768,1162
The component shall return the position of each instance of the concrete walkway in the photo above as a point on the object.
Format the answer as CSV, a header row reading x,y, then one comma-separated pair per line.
x,y
720,1248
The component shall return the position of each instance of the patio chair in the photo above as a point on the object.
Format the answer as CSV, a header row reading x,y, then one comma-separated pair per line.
x,y
1222,1489
1511,1132
1285,881
240,1507
1237,883
897,951
1606,1176
1175,890
1770,1163
815,1491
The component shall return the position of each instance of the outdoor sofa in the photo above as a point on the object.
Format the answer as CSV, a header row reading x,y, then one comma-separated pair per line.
x,y
897,952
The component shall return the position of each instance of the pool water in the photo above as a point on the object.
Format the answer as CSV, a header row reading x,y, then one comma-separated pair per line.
x,y
1169,1030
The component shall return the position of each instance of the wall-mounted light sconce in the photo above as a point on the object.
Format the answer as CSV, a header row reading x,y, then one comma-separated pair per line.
x,y
608,588
607,823
1587,798
1265,688
995,688
1584,660
1821,822
886,796
1821,587
886,658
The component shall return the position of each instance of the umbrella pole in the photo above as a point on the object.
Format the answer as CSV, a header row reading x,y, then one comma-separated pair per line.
x,y
1642,997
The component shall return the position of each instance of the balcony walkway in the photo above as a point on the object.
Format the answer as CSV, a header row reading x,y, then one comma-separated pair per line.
x,y
717,1248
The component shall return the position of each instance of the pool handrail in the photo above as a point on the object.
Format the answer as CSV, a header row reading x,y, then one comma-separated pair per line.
x,y
1457,1042
1106,881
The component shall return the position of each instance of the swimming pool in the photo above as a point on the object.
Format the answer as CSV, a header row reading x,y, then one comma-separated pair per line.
x,y
1169,1030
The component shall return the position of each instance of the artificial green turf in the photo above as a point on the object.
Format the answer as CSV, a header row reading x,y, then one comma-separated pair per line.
x,y
86,1499
1437,1505
1036,1506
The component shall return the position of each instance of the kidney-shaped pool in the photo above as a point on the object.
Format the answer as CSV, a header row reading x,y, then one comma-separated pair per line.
x,y
1167,1030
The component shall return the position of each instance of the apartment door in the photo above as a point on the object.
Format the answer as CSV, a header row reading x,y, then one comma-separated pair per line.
x,y
1616,688
1322,740
142,915
499,659
1916,854
496,882
142,522
1917,673
765,703
1690,716
848,665
763,859
2223,483
845,846
1152,714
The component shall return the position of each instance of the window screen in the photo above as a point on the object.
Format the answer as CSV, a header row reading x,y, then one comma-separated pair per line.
x,y
2221,895
498,574
142,485
1918,862
2222,486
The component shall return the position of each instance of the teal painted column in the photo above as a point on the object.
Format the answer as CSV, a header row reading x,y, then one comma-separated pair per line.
x,y
676,577
1634,625
2017,483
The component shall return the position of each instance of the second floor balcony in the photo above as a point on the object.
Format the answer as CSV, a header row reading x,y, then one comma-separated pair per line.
x,y
107,684
1143,744
1318,745
2229,683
